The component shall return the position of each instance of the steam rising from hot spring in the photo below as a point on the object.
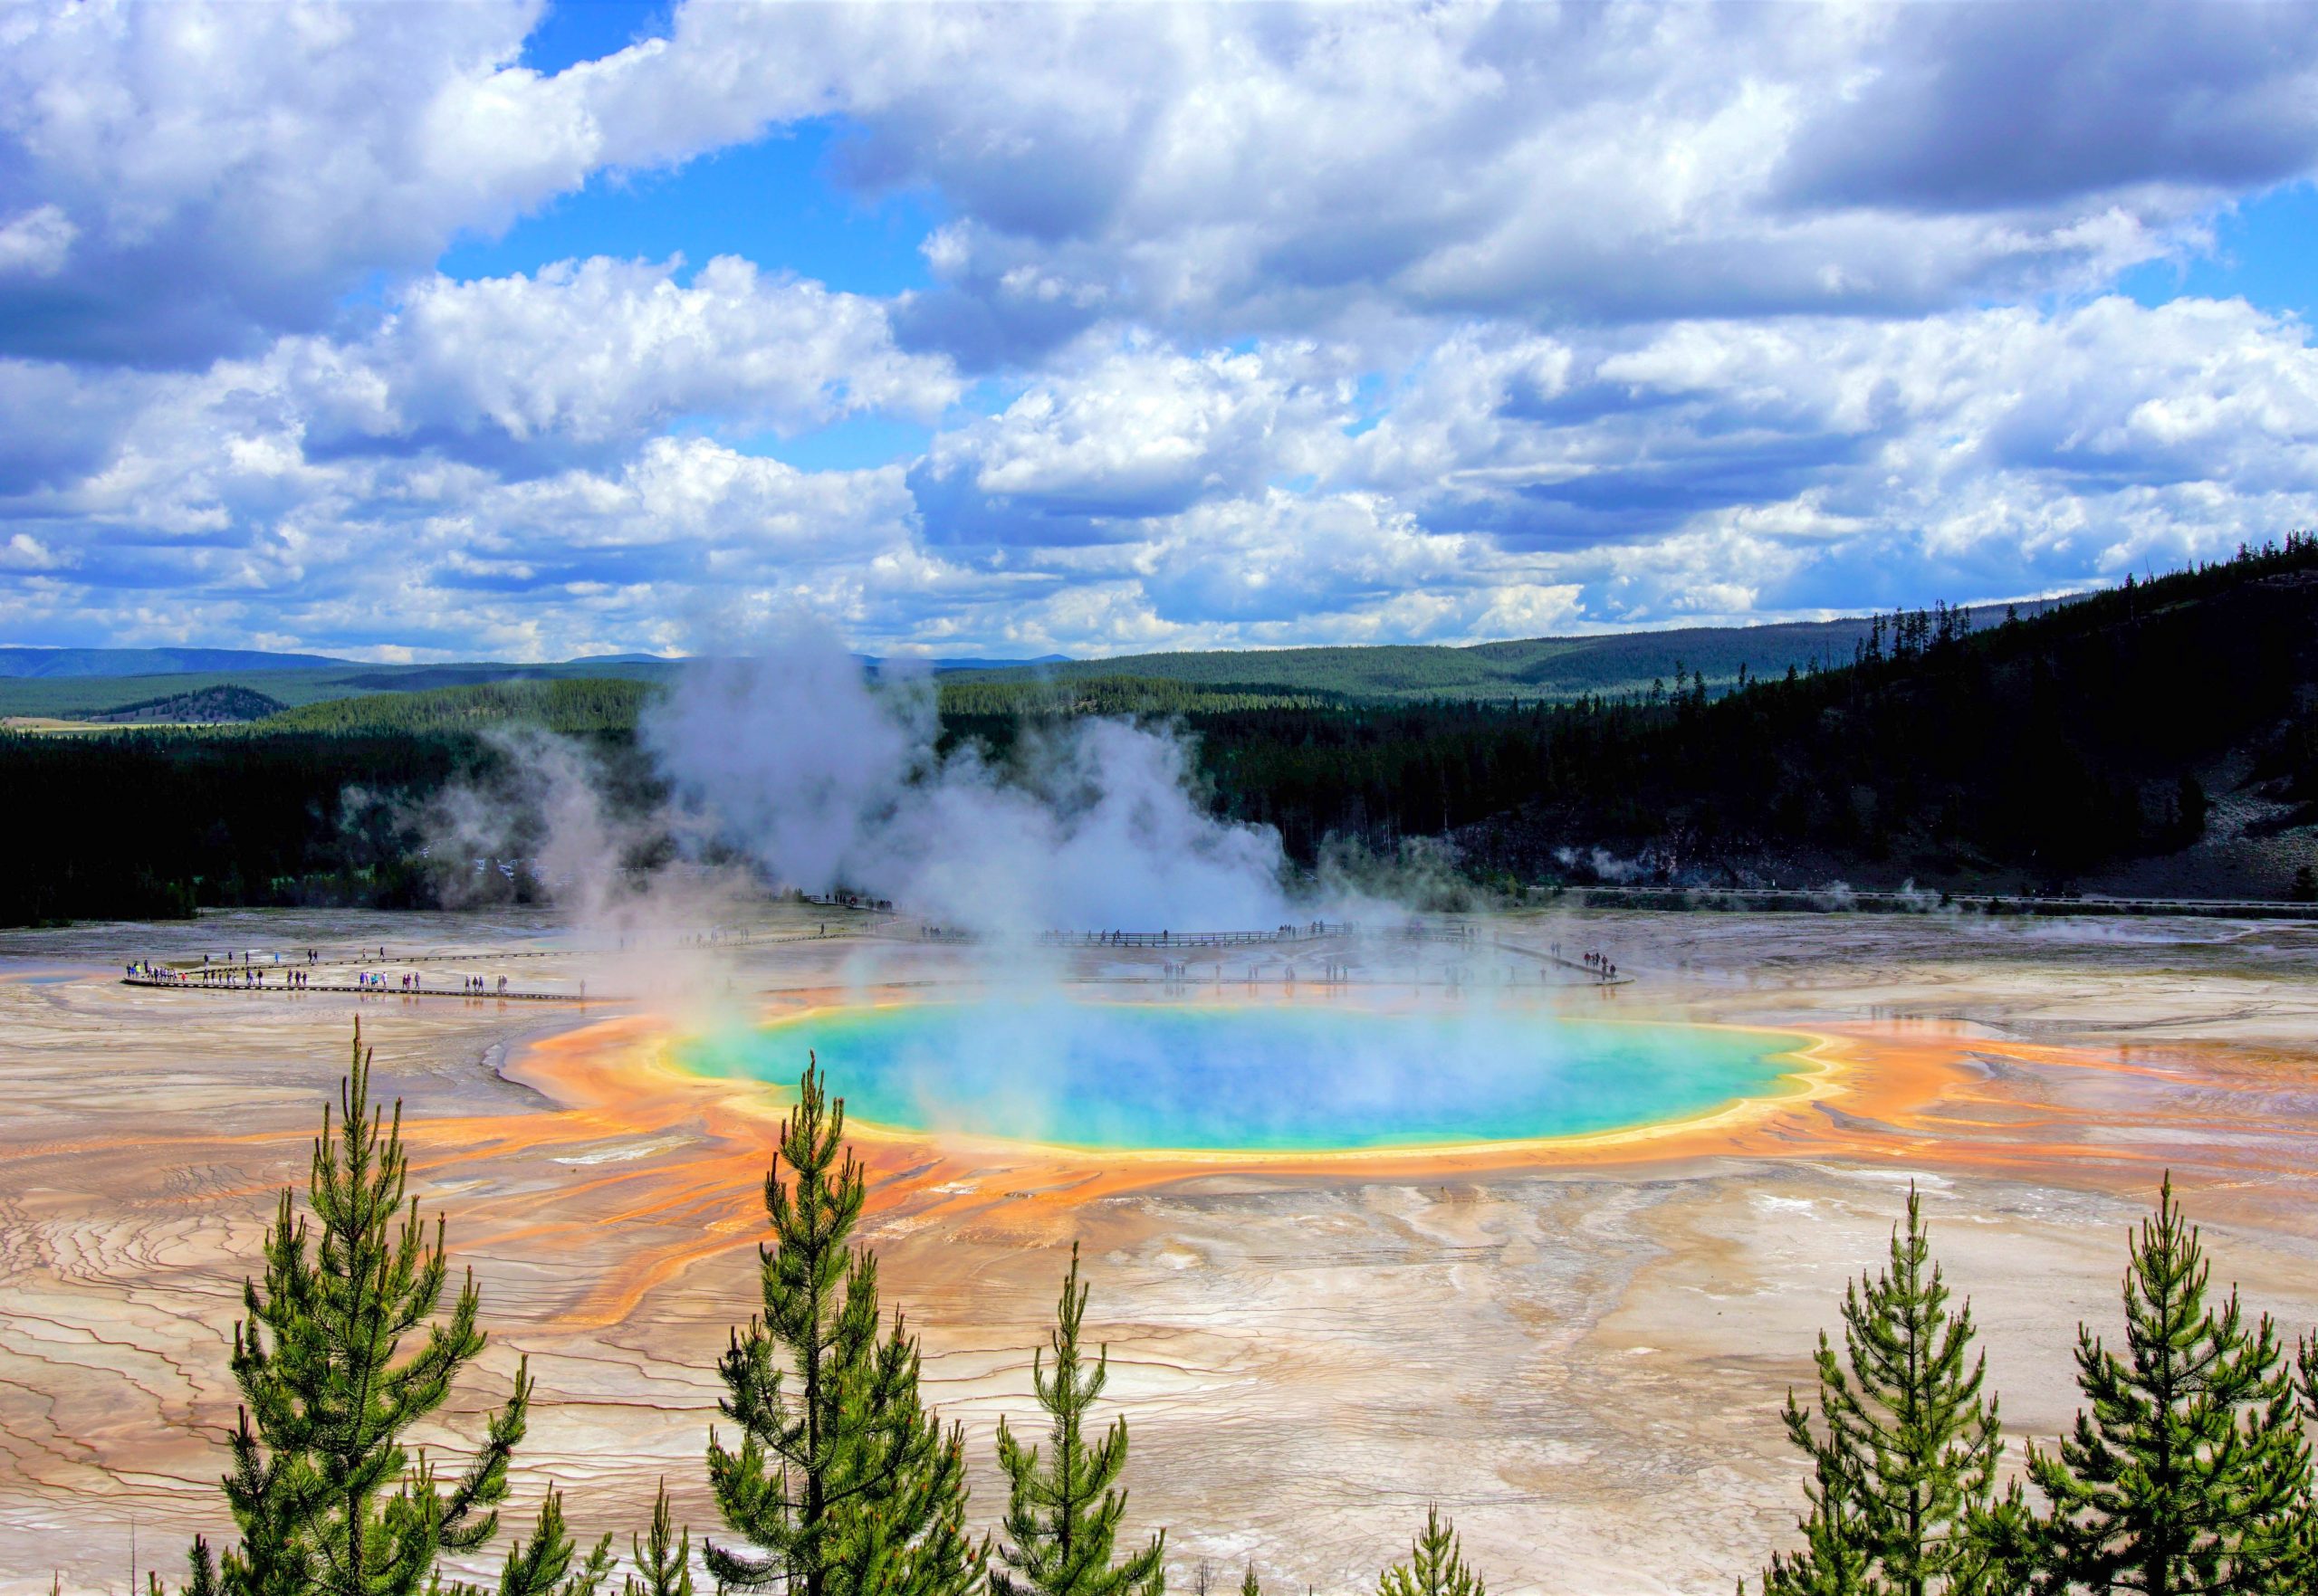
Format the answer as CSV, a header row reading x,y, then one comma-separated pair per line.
x,y
794,758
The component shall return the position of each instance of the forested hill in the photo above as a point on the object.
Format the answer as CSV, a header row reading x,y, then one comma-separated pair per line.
x,y
613,705
571,707
1529,668
2163,735
204,706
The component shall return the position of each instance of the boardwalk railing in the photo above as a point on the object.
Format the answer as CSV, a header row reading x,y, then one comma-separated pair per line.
x,y
1926,901
1310,931
281,989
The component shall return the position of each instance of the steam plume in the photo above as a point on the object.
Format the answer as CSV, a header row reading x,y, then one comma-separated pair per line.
x,y
792,756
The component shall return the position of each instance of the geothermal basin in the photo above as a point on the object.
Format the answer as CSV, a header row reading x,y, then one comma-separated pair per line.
x,y
1550,1257
1257,1077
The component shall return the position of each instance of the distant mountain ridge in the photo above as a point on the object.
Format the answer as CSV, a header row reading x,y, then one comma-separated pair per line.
x,y
17,660
68,682
49,662
1524,668
877,664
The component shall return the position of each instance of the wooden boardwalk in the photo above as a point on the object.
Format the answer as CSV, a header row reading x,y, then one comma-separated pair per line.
x,y
277,988
1807,900
1177,941
1294,943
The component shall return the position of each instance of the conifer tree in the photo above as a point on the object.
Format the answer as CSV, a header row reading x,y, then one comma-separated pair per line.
x,y
843,1482
1063,1511
326,1495
1905,1448
663,1558
1835,1558
1435,1565
1247,1585
2189,1473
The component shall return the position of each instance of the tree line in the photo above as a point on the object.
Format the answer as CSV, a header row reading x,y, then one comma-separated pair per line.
x,y
2187,1472
569,706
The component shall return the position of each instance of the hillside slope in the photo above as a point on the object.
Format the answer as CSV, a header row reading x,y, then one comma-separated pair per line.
x,y
204,706
2172,721
1530,668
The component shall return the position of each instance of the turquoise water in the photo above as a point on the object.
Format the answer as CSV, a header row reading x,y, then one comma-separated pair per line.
x,y
1133,1075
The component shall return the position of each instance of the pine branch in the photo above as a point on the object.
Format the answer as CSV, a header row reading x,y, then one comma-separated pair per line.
x,y
662,1557
1435,1565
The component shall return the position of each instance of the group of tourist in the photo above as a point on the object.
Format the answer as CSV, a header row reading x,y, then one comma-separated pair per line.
x,y
248,973
246,970
406,981
1595,960
411,981
245,974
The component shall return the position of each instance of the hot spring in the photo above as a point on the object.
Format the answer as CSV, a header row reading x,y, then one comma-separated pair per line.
x,y
1146,1076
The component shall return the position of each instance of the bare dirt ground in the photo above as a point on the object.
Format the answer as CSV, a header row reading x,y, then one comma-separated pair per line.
x,y
1579,1353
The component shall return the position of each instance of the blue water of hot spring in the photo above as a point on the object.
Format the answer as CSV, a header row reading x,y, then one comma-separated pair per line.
x,y
1131,1075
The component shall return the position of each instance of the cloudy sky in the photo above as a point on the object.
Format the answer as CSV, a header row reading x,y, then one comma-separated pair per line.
x,y
496,329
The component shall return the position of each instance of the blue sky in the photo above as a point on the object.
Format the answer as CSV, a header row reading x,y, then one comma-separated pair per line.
x,y
565,36
493,328
2265,251
775,201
